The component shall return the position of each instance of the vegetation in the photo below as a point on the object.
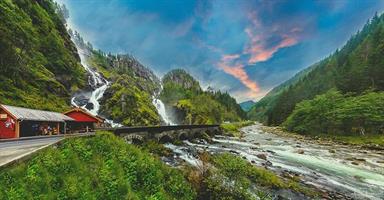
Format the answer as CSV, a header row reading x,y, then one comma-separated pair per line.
x,y
128,100
233,129
226,176
247,105
183,94
356,71
335,113
101,167
125,103
39,65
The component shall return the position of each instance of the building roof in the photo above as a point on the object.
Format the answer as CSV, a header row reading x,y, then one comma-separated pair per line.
x,y
77,109
35,115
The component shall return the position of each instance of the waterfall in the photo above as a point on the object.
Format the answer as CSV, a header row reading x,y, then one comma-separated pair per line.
x,y
99,85
161,110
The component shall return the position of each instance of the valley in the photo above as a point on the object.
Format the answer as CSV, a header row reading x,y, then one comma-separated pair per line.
x,y
316,135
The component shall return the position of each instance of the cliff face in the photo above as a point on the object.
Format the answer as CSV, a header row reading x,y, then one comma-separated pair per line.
x,y
39,64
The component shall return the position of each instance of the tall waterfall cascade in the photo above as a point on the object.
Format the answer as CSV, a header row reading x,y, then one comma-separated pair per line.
x,y
161,110
160,107
99,85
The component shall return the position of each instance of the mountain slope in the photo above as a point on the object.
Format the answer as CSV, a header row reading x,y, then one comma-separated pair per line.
x,y
247,105
39,64
128,97
191,105
357,67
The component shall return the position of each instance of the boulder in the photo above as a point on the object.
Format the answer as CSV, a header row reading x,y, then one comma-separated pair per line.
x,y
300,151
262,156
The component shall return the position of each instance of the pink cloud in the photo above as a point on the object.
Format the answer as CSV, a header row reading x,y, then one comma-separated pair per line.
x,y
259,52
237,71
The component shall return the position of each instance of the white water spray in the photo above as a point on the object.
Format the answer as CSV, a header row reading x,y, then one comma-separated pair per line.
x,y
99,85
161,110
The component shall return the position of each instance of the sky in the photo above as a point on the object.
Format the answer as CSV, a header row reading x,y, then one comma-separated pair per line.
x,y
244,47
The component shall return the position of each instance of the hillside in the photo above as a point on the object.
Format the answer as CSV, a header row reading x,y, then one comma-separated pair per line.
x,y
354,70
99,167
247,105
128,97
39,64
189,104
260,109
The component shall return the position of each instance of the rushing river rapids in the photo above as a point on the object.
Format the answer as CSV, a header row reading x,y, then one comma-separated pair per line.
x,y
350,173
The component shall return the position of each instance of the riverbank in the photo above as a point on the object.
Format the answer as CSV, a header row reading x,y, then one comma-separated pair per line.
x,y
374,142
336,171
233,129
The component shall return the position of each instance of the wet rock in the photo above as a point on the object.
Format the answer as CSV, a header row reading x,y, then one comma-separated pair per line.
x,y
287,174
268,163
224,146
256,143
268,139
234,152
380,161
300,151
262,156
360,159
252,161
245,158
332,151
354,163
270,151
254,148
298,146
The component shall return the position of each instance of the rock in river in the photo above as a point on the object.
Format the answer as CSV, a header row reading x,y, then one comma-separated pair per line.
x,y
262,156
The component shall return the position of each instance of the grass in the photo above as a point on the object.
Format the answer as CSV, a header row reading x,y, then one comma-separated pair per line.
x,y
99,167
233,129
240,169
229,177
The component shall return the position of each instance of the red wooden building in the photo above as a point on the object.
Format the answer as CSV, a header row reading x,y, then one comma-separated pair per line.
x,y
83,120
18,122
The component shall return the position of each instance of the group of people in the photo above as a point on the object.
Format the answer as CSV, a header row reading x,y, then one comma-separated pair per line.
x,y
45,129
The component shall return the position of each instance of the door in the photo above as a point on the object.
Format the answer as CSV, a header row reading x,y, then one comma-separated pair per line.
x,y
7,128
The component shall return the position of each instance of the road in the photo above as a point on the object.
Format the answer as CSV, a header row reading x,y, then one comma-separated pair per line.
x,y
12,150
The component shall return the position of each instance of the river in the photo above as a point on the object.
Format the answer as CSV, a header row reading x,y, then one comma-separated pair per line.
x,y
339,169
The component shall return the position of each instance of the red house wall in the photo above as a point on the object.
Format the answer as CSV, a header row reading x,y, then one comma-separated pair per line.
x,y
81,117
6,132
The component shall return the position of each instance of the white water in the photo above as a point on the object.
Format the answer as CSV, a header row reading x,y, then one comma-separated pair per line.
x,y
96,81
160,107
99,85
317,166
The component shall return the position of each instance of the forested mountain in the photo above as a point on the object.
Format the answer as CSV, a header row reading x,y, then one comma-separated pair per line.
x,y
191,105
263,106
247,105
39,64
355,72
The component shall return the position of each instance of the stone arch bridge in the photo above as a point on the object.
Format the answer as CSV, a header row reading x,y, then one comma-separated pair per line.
x,y
165,134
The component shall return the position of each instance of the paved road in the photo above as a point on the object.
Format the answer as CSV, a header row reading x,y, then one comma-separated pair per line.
x,y
15,149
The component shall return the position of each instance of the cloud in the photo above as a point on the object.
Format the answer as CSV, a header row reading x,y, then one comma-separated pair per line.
x,y
257,50
237,70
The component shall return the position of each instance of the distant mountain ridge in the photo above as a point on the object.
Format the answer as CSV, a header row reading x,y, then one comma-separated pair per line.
x,y
247,105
